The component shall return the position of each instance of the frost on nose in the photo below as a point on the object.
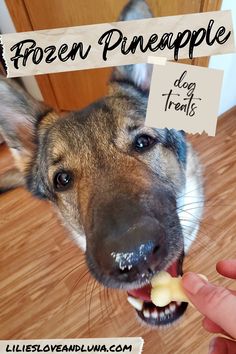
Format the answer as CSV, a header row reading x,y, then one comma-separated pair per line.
x,y
126,260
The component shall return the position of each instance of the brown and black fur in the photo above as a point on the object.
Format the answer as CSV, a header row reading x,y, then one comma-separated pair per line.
x,y
119,198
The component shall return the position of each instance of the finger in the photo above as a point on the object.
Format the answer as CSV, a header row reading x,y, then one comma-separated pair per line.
x,y
222,346
216,303
227,268
211,326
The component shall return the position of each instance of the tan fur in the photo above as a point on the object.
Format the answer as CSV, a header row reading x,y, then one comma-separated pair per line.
x,y
11,179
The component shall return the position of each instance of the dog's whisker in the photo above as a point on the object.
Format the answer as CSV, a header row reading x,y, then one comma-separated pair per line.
x,y
204,246
93,286
107,303
199,188
84,274
68,300
204,223
116,300
197,241
86,294
108,306
205,232
180,207
53,286
102,303
207,206
205,242
209,201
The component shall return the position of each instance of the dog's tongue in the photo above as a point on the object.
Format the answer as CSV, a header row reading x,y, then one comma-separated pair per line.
x,y
142,293
145,292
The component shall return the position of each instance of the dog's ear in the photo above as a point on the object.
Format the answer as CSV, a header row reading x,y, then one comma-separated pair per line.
x,y
20,115
138,74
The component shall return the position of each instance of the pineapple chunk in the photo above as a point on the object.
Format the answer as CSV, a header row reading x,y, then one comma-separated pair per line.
x,y
166,288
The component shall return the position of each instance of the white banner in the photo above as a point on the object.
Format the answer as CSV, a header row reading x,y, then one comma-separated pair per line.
x,y
118,43
131,345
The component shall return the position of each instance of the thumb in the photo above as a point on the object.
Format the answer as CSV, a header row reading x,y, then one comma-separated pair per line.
x,y
221,345
216,303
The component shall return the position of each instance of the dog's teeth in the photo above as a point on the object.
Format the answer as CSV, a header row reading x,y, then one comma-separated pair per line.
x,y
178,303
136,303
161,314
146,313
154,314
172,308
167,311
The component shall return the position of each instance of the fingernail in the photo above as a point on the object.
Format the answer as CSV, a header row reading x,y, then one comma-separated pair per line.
x,y
204,277
193,282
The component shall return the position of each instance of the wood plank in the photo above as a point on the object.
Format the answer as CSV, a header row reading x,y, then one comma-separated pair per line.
x,y
46,292
206,6
209,5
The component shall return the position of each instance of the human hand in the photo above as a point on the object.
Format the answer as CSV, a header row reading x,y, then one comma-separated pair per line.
x,y
217,304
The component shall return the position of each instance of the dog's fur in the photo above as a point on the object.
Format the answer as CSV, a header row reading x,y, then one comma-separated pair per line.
x,y
126,208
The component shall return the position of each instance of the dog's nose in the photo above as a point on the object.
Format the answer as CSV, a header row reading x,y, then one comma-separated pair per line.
x,y
129,245
138,256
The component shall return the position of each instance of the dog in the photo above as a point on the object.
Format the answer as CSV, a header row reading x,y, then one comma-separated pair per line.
x,y
122,189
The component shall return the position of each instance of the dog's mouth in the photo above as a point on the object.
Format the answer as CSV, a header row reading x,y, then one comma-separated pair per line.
x,y
152,314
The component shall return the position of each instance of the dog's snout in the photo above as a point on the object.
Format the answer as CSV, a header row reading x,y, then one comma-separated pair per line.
x,y
133,243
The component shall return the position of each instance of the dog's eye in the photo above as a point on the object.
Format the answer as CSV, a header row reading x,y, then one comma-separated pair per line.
x,y
62,180
143,142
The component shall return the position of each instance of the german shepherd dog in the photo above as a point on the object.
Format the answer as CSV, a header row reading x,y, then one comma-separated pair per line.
x,y
122,189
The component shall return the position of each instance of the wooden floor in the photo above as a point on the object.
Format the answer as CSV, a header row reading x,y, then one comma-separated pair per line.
x,y
45,288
